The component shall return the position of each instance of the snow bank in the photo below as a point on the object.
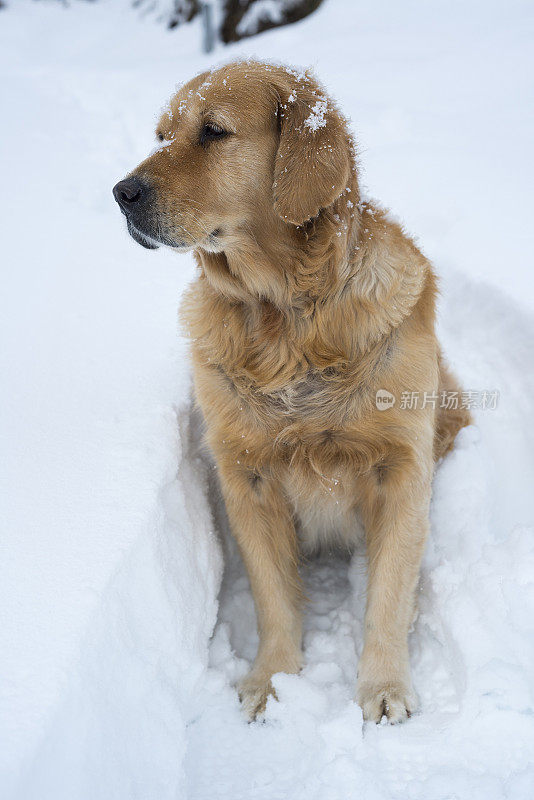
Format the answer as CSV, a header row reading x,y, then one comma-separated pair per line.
x,y
110,563
121,729
111,523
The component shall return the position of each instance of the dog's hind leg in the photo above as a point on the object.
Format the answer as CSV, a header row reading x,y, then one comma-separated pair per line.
x,y
450,416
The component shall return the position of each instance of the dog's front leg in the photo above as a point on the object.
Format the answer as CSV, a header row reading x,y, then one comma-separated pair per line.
x,y
261,522
396,520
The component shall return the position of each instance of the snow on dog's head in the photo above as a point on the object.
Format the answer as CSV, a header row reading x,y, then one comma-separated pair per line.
x,y
241,152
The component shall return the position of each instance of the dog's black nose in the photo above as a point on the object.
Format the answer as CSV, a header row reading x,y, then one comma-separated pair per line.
x,y
128,192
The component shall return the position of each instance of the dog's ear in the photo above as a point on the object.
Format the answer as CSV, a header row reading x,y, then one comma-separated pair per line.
x,y
313,161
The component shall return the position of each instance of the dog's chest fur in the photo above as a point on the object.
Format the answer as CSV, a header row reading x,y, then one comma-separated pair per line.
x,y
313,430
273,390
292,398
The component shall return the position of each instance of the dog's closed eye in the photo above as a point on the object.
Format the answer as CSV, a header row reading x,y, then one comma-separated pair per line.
x,y
210,131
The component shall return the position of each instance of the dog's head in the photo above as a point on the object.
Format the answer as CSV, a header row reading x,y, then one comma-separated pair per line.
x,y
236,147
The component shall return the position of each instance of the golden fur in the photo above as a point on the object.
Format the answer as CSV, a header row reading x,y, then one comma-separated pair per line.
x,y
308,301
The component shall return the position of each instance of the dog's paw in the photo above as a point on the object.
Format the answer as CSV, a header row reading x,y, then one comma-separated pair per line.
x,y
395,700
254,692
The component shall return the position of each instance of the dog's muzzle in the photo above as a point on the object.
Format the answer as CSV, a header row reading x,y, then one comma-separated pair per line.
x,y
132,195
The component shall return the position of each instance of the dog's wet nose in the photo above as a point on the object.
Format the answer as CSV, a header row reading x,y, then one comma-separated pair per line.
x,y
128,192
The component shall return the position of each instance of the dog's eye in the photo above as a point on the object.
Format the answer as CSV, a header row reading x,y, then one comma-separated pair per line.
x,y
210,131
160,137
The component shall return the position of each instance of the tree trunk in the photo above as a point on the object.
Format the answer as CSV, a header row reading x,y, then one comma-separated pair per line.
x,y
234,11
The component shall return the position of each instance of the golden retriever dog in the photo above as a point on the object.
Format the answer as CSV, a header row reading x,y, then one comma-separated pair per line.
x,y
311,316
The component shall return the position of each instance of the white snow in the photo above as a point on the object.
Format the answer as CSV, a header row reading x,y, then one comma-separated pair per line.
x,y
112,532
317,116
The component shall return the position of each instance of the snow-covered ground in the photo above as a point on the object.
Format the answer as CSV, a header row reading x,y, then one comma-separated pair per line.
x,y
113,537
